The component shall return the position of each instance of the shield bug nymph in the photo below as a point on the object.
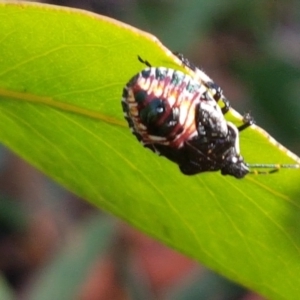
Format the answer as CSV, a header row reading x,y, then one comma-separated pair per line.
x,y
178,116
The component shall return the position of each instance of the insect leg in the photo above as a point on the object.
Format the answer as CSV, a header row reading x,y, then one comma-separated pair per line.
x,y
217,92
247,120
218,95
185,61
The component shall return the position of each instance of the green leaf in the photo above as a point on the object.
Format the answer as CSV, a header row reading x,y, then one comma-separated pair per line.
x,y
61,78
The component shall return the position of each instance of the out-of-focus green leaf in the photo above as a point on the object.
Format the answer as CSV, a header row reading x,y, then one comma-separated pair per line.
x,y
206,286
177,22
12,216
63,277
274,85
5,292
61,79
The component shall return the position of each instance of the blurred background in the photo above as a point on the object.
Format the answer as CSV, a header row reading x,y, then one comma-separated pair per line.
x,y
55,246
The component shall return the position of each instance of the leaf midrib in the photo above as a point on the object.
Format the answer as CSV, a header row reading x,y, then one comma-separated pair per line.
x,y
49,101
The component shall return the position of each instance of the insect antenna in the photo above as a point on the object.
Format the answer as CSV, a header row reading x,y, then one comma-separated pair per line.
x,y
273,168
144,61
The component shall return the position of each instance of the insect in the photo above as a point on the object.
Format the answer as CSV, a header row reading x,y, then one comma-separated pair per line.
x,y
178,117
